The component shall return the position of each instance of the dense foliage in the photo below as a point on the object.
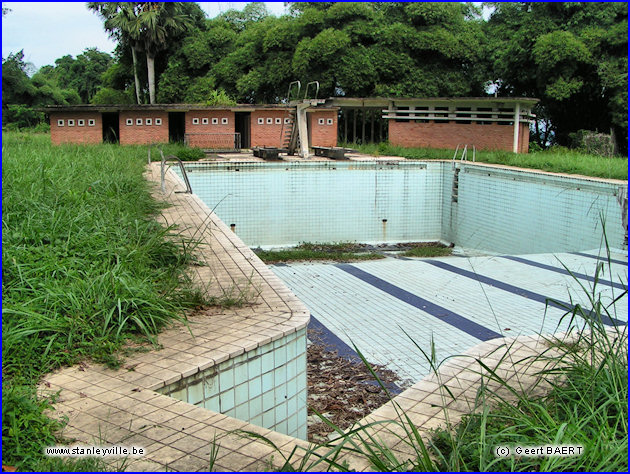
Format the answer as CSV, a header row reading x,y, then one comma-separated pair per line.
x,y
85,266
573,56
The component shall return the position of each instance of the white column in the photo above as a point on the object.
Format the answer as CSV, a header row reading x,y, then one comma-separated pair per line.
x,y
303,129
517,123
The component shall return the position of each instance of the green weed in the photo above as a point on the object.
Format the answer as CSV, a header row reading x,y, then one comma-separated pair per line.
x,y
427,251
338,252
85,266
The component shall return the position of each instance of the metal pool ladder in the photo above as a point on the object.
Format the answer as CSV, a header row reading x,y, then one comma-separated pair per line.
x,y
464,155
163,170
457,169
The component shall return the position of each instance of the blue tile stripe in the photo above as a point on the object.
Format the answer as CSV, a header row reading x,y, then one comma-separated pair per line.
x,y
329,338
333,342
564,271
515,289
439,312
598,257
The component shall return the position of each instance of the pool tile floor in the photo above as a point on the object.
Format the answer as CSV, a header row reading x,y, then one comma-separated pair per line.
x,y
394,309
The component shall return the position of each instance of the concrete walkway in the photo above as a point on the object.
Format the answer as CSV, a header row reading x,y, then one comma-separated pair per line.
x,y
393,309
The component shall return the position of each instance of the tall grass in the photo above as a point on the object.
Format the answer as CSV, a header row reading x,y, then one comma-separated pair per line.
x,y
85,265
558,160
582,400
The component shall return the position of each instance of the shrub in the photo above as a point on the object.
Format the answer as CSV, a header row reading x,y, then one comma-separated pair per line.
x,y
593,143
190,154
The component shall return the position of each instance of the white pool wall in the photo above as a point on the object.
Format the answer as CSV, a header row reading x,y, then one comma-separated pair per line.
x,y
498,210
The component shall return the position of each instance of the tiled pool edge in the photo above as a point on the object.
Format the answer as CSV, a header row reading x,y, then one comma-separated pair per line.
x,y
122,407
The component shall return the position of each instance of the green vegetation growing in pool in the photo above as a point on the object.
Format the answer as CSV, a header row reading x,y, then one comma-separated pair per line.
x,y
338,252
85,266
349,251
557,159
427,250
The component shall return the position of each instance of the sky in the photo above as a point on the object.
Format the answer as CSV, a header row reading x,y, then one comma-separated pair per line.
x,y
49,30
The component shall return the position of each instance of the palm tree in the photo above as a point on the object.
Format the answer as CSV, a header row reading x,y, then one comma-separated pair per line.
x,y
146,26
122,23
158,22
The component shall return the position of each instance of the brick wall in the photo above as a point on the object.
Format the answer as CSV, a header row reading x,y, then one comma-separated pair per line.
x,y
523,138
265,133
75,127
141,133
210,128
323,127
449,135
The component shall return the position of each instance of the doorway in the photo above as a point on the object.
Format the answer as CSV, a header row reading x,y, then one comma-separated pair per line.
x,y
111,130
242,125
176,127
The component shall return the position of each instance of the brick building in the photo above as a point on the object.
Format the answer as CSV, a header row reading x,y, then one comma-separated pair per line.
x,y
488,123
225,128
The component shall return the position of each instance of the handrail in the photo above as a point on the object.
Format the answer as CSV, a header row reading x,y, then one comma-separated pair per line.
x,y
163,170
464,156
297,94
316,89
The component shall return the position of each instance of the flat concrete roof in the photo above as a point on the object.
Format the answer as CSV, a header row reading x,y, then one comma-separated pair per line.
x,y
386,101
332,103
171,107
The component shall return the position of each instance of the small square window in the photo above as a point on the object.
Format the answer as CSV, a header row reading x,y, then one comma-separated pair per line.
x,y
195,121
158,121
215,121
60,123
81,123
287,120
129,122
269,121
329,121
70,123
321,121
224,121
278,121
261,121
138,121
204,121
91,122
148,121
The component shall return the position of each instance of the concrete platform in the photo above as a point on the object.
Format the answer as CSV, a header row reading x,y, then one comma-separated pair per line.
x,y
393,309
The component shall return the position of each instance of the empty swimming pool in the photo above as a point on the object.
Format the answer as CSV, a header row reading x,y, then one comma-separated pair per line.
x,y
528,224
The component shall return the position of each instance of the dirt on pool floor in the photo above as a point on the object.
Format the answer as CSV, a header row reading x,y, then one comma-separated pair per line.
x,y
342,390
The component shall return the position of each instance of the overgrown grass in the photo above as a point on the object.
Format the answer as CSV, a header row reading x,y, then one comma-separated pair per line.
x,y
85,265
428,250
557,160
338,252
586,406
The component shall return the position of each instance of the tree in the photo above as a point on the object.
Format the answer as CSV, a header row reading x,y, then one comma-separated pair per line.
x,y
573,56
121,22
22,96
83,74
16,85
146,27
158,21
